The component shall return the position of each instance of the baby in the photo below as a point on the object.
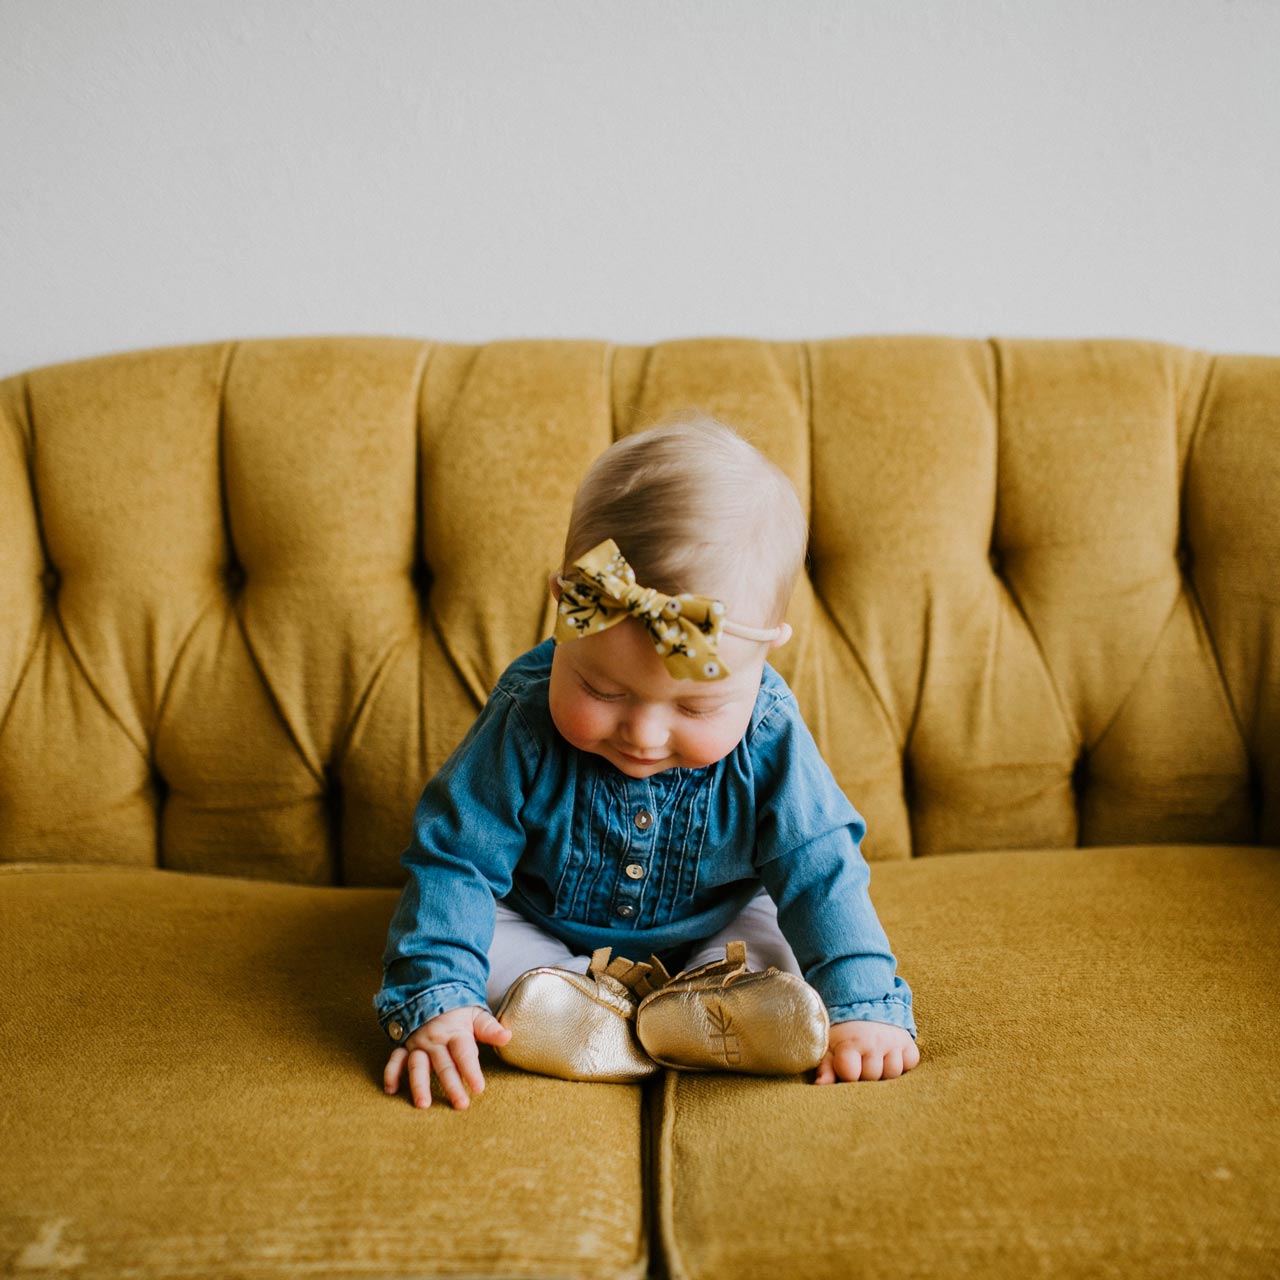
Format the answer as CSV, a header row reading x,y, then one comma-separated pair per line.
x,y
644,781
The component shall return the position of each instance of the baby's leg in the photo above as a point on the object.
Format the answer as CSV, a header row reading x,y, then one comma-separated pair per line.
x,y
518,946
756,925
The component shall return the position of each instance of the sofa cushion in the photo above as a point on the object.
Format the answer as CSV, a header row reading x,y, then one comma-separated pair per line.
x,y
1098,1091
192,1086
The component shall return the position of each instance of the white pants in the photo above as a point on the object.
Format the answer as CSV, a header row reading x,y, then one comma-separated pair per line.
x,y
519,945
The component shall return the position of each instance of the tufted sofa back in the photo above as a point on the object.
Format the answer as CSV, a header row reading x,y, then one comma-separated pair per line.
x,y
252,594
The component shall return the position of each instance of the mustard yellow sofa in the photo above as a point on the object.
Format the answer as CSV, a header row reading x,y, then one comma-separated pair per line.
x,y
246,611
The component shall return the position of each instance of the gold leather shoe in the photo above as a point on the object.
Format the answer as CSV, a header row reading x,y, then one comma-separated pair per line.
x,y
580,1026
722,1017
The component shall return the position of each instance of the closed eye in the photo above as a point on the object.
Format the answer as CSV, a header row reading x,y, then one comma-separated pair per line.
x,y
595,693
698,712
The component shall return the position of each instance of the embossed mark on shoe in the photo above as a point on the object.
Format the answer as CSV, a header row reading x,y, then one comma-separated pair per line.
x,y
724,1042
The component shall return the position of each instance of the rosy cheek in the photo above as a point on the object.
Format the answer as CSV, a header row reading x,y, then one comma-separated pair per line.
x,y
582,721
704,742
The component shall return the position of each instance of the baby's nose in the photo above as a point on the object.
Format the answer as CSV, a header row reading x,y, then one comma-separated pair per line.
x,y
645,729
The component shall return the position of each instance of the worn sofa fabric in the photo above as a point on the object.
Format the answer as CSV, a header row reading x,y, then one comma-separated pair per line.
x,y
190,1089
242,619
1101,1099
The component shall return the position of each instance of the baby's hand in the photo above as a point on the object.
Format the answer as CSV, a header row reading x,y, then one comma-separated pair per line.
x,y
446,1045
867,1051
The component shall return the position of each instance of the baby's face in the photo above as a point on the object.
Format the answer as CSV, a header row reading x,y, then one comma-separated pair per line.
x,y
612,695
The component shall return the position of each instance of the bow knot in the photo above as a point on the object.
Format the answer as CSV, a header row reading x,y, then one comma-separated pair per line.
x,y
685,629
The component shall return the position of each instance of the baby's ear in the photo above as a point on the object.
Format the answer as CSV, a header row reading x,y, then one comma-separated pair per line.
x,y
554,583
782,639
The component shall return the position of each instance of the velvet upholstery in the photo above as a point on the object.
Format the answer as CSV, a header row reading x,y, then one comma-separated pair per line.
x,y
1097,1093
192,1088
242,619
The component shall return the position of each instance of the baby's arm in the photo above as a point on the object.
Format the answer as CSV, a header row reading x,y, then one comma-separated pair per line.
x,y
467,838
808,854
446,1045
867,1050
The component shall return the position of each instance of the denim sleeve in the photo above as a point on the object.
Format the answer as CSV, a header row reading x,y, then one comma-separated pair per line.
x,y
808,854
467,838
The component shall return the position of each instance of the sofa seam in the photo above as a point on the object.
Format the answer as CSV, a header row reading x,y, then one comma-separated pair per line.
x,y
340,747
1127,697
363,701
276,705
220,429
1194,603
101,698
421,611
27,430
158,710
1193,438
1069,720
21,678
208,603
29,439
664,1197
821,607
650,1264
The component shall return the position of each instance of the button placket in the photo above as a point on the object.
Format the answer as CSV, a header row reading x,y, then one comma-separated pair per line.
x,y
626,900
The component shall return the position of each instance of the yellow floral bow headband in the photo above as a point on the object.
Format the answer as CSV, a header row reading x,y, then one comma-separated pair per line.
x,y
685,628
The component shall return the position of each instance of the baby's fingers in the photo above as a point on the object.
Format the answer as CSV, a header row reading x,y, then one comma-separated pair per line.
x,y
447,1074
897,1062
391,1073
467,1057
849,1063
490,1030
420,1078
826,1070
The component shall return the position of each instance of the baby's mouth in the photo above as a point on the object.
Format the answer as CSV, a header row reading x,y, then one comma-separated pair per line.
x,y
626,755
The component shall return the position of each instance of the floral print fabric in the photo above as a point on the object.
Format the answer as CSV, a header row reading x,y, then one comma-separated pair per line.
x,y
603,591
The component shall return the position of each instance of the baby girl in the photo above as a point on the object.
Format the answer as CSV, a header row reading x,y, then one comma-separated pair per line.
x,y
643,783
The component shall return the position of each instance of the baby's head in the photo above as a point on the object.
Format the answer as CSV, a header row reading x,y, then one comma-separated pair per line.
x,y
695,509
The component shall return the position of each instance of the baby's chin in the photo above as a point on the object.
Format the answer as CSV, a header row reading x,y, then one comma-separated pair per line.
x,y
634,768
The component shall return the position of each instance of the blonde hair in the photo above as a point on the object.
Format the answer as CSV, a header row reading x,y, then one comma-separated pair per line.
x,y
695,507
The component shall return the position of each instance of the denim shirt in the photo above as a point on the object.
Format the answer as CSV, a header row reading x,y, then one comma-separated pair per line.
x,y
517,814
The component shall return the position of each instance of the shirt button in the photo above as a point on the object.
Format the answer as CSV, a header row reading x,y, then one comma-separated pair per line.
x,y
635,870
644,819
626,910
395,1030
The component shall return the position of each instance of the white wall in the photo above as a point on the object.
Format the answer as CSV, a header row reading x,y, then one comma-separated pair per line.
x,y
176,172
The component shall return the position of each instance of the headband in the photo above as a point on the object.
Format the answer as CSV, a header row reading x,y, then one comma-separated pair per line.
x,y
685,629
